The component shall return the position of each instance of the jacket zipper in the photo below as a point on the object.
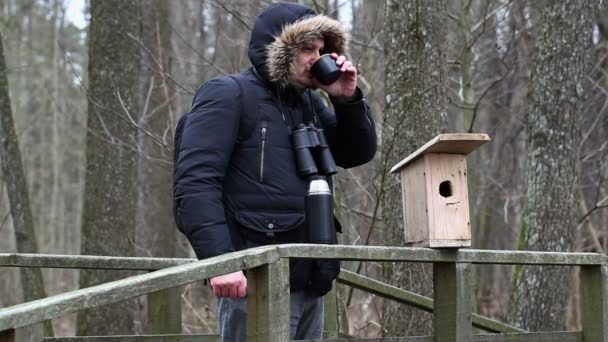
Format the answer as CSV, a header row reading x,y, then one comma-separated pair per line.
x,y
264,130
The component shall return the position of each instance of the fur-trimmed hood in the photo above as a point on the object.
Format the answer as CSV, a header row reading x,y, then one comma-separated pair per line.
x,y
282,30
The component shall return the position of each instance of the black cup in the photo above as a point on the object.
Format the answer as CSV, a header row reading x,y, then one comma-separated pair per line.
x,y
325,70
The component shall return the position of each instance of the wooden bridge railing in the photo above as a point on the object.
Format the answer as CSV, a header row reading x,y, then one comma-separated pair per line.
x,y
268,288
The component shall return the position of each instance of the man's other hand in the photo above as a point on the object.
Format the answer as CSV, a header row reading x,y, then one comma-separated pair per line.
x,y
231,285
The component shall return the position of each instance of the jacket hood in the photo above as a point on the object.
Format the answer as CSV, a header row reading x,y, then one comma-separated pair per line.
x,y
282,30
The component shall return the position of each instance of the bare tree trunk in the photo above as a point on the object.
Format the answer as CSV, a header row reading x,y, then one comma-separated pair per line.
x,y
156,230
416,92
110,189
14,178
56,228
557,94
189,44
356,197
503,83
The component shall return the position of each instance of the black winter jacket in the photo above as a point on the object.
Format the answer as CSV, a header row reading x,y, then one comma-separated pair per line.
x,y
233,192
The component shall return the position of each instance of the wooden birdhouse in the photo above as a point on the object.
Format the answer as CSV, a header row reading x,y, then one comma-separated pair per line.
x,y
434,191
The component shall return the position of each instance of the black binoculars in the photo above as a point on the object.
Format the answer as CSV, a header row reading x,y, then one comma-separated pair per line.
x,y
315,163
313,156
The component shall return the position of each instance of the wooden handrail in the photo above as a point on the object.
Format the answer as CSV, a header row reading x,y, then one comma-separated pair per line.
x,y
133,263
342,252
88,262
55,306
269,268
413,299
417,254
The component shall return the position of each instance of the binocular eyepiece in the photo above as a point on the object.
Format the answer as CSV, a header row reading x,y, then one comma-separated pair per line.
x,y
313,156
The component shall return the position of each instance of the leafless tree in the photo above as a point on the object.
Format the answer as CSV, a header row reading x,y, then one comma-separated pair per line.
x,y
416,111
560,67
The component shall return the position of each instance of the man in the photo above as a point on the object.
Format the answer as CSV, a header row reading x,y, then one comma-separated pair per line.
x,y
236,185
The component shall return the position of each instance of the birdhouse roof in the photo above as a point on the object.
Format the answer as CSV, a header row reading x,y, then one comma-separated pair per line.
x,y
456,143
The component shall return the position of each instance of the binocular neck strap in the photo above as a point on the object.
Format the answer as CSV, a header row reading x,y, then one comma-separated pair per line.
x,y
307,114
284,111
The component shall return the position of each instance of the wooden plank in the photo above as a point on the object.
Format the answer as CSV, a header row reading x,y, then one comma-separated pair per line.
x,y
527,337
459,143
268,303
410,298
380,339
415,203
345,252
448,215
330,324
451,243
452,302
384,290
88,261
31,333
138,338
564,336
569,336
415,254
165,311
59,305
594,303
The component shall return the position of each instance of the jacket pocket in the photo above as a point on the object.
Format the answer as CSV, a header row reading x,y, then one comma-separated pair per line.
x,y
262,148
269,221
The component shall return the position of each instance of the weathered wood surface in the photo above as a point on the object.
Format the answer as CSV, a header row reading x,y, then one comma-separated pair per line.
x,y
88,261
411,254
452,302
55,306
594,303
138,338
32,312
569,336
344,252
566,336
384,290
331,328
448,213
165,311
458,143
31,333
268,303
414,203
410,298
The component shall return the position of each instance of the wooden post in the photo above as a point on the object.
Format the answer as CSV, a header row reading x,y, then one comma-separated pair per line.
x,y
30,333
268,302
330,326
452,302
165,311
594,301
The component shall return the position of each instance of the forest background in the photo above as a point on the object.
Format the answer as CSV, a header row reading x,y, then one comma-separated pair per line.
x,y
93,104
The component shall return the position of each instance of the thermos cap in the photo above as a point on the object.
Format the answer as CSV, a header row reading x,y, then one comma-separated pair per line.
x,y
318,187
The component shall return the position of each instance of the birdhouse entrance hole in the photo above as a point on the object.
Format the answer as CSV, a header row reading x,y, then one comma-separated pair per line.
x,y
445,189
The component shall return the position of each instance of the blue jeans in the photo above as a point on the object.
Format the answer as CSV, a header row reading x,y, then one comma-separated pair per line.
x,y
306,317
